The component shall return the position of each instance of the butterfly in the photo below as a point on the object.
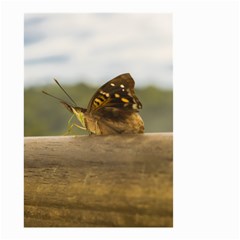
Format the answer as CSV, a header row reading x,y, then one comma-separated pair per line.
x,y
113,109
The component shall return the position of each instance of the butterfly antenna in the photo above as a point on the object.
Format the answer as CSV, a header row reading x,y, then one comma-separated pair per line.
x,y
53,96
65,91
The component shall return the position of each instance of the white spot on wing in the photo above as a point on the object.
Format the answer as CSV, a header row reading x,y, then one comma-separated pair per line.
x,y
134,106
122,86
112,84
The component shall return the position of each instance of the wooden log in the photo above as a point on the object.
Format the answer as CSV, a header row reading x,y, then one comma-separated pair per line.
x,y
99,181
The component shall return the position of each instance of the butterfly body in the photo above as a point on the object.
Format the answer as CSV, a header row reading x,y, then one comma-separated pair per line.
x,y
113,109
99,125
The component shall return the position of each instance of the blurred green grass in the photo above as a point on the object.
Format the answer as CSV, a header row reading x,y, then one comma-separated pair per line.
x,y
44,116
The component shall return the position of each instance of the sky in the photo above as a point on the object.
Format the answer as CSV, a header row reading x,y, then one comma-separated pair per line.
x,y
97,47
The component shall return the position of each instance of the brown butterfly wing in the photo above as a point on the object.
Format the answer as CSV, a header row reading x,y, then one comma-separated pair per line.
x,y
115,99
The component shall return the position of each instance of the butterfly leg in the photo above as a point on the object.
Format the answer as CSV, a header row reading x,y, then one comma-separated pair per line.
x,y
97,129
74,124
69,128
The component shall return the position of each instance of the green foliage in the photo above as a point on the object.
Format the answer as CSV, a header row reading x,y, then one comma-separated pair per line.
x,y
45,116
157,111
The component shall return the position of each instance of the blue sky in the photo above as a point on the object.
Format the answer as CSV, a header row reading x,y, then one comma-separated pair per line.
x,y
97,47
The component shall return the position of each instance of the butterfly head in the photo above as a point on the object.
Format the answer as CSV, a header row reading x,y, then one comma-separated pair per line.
x,y
77,111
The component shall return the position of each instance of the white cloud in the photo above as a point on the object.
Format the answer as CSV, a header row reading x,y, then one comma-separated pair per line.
x,y
97,47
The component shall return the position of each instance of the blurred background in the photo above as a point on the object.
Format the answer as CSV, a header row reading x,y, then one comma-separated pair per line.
x,y
83,51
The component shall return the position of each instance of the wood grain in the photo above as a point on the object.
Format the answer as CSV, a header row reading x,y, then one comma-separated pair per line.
x,y
99,181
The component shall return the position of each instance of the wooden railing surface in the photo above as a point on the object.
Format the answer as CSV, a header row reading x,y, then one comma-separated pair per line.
x,y
99,181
